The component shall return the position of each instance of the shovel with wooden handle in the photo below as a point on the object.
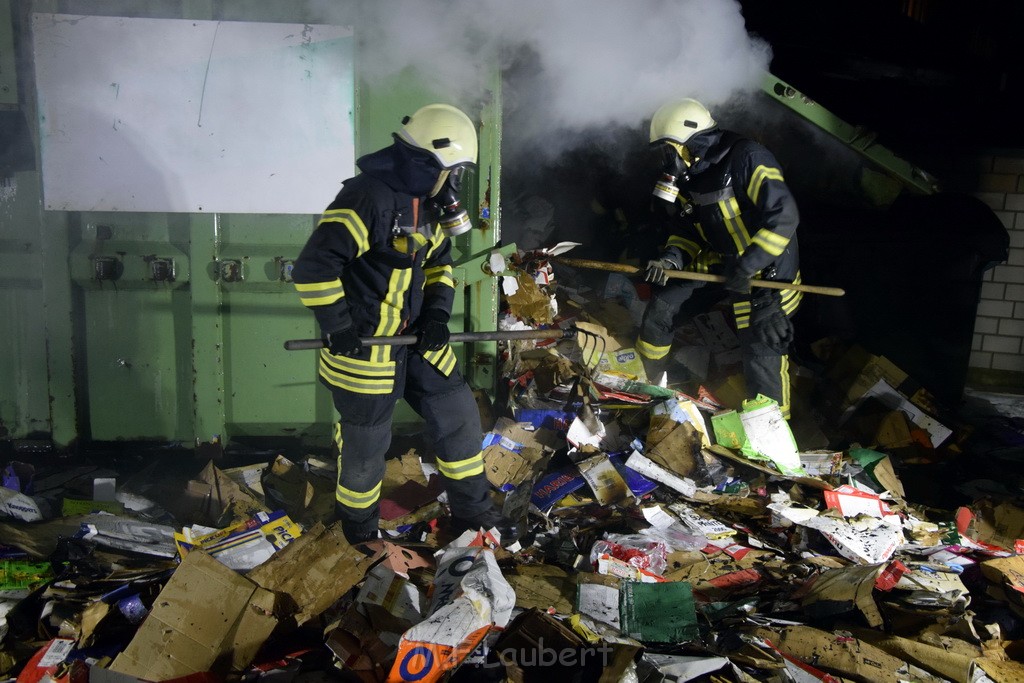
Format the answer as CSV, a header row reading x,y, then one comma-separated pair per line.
x,y
688,275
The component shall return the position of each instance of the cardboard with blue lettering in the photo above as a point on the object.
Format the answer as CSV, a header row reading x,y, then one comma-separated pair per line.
x,y
556,486
555,420
515,451
22,507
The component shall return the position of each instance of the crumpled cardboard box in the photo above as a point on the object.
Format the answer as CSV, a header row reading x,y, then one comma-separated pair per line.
x,y
514,451
314,570
207,618
842,654
1006,580
542,586
306,497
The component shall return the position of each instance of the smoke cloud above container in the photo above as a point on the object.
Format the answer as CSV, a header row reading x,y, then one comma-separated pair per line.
x,y
580,63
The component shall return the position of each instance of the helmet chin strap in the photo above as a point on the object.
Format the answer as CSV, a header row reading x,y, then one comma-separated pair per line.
x,y
440,183
683,151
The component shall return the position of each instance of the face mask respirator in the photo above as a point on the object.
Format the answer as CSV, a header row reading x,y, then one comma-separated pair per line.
x,y
453,219
674,172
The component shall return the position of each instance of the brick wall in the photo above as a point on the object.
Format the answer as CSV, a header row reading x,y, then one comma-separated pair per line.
x,y
997,358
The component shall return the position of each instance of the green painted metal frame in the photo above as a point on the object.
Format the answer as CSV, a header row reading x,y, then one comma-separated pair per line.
x,y
8,60
856,138
483,293
25,401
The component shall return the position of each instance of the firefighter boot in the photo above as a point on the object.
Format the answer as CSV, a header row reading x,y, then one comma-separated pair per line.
x,y
356,532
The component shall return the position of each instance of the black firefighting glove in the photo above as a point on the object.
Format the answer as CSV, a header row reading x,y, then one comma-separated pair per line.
x,y
769,323
344,342
737,278
655,273
432,330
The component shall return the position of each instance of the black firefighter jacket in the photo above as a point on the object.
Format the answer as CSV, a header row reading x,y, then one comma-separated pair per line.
x,y
742,209
375,262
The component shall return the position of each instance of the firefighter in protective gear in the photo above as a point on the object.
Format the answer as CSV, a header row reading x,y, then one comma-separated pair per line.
x,y
379,263
732,214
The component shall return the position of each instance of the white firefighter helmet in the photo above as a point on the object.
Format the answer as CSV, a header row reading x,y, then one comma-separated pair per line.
x,y
443,131
680,120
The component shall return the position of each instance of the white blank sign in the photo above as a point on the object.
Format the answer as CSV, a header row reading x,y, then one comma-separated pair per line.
x,y
175,115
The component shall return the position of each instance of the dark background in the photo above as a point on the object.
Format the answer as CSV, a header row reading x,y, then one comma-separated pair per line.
x,y
920,73
940,82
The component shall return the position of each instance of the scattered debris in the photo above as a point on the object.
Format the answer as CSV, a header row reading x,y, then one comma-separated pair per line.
x,y
675,532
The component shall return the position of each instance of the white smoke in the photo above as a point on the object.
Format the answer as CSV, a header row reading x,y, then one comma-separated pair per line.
x,y
593,63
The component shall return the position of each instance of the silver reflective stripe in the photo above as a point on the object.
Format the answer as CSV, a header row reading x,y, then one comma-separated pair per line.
x,y
713,197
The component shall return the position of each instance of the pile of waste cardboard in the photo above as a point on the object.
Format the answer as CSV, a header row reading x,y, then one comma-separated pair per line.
x,y
673,532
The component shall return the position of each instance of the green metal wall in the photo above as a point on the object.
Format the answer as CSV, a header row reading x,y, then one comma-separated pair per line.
x,y
186,344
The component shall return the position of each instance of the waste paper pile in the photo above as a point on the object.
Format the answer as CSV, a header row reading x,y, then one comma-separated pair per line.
x,y
673,531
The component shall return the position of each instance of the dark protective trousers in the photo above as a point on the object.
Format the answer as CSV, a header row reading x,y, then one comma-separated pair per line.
x,y
765,369
363,435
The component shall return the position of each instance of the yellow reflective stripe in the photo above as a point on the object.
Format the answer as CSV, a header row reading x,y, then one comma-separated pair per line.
x,y
435,241
460,469
790,304
705,260
381,354
741,227
356,499
318,286
769,241
784,376
650,351
351,220
408,244
358,366
338,441
761,174
356,384
320,293
391,306
730,225
743,231
321,300
688,247
741,314
439,274
442,359
791,298
700,230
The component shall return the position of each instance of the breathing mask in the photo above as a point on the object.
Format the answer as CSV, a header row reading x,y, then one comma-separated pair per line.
x,y
674,171
452,218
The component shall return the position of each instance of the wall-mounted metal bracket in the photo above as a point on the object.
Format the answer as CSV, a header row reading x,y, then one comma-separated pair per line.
x,y
160,269
230,270
284,268
106,268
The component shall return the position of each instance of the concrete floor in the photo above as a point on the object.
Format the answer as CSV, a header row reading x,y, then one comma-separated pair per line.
x,y
1008,405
